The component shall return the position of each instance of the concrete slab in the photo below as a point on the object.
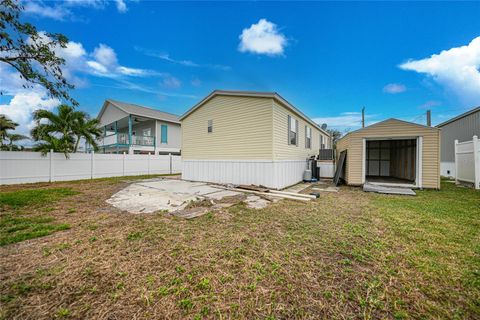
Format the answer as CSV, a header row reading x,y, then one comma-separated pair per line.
x,y
256,202
367,187
164,195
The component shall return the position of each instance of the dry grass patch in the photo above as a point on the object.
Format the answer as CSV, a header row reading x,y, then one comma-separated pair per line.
x,y
345,255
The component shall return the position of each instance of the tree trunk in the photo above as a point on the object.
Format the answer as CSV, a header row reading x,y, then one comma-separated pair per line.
x,y
76,144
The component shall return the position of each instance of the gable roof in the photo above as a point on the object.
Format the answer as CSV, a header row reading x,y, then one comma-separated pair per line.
x,y
463,115
254,94
141,111
389,120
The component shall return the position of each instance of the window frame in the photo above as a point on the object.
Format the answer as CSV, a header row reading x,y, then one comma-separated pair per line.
x,y
290,132
162,141
209,126
308,137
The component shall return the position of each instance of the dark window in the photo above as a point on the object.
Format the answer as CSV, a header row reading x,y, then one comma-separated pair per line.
x,y
292,131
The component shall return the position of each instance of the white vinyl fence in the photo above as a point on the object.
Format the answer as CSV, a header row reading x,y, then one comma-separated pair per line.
x,y
467,161
26,167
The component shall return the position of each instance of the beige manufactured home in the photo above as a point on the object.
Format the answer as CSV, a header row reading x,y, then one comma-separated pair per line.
x,y
392,152
248,138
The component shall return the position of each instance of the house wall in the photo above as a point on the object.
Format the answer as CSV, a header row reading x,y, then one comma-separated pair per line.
x,y
284,151
111,114
462,129
174,135
353,143
242,129
248,145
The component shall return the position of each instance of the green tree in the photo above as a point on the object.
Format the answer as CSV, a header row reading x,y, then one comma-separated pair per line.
x,y
5,125
88,129
32,53
62,131
55,131
336,135
12,139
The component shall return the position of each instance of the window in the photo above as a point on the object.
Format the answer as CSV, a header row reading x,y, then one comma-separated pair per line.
x,y
308,137
322,142
164,133
147,132
210,126
292,131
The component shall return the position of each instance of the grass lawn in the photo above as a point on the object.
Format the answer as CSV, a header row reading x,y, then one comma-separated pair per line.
x,y
350,255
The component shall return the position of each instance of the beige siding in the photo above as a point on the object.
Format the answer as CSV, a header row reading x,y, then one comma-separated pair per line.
x,y
393,128
242,129
281,149
342,145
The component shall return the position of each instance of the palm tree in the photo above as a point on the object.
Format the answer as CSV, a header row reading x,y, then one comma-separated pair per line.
x,y
88,129
12,138
63,131
5,124
55,131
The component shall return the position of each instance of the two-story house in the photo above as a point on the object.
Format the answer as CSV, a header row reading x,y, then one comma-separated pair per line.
x,y
134,129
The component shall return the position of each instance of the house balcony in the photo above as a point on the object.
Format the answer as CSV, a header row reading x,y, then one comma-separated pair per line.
x,y
122,140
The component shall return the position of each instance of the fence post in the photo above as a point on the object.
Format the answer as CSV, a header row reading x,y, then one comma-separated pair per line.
x,y
456,161
170,156
123,166
476,162
148,164
92,164
51,166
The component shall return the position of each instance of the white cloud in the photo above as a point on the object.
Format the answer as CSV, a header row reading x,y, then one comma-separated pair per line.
x,y
62,10
97,67
21,107
394,88
456,69
262,38
186,63
38,8
121,6
105,55
171,82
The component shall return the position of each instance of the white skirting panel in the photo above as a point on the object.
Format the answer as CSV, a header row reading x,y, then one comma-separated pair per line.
x,y
327,169
447,169
272,174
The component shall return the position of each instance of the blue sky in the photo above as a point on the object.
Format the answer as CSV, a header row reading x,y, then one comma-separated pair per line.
x,y
327,58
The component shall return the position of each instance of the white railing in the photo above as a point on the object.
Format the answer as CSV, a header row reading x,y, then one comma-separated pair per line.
x,y
467,162
26,167
143,140
122,138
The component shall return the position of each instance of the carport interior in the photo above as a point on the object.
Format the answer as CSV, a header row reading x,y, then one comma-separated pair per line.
x,y
391,161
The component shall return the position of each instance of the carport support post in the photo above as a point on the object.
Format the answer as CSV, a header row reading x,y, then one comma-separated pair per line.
x,y
456,161
476,162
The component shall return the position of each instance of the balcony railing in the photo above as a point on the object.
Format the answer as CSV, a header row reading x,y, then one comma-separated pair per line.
x,y
122,139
